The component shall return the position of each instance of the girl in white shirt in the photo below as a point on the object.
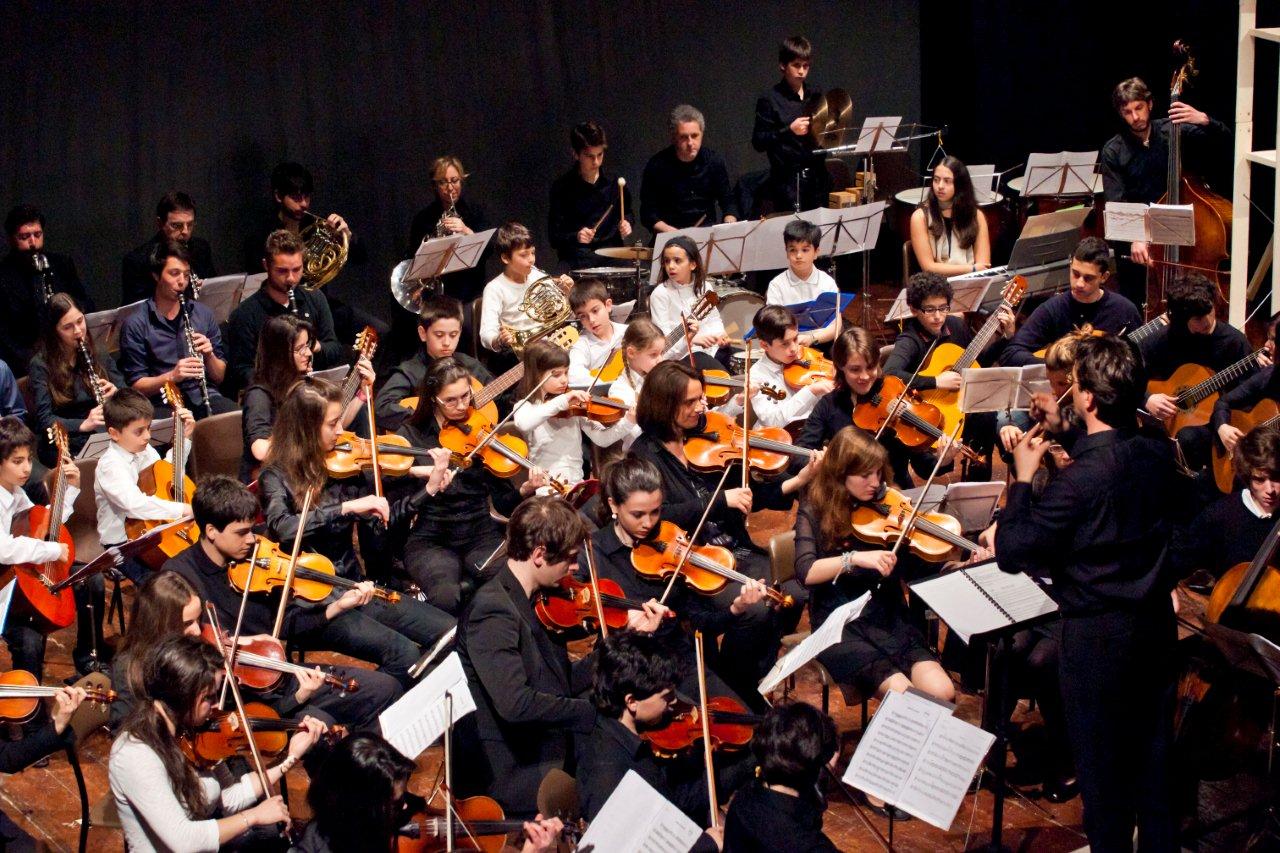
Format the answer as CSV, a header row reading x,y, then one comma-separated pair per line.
x,y
164,802
672,301
555,438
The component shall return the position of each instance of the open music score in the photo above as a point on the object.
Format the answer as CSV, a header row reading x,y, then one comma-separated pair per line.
x,y
638,819
1162,224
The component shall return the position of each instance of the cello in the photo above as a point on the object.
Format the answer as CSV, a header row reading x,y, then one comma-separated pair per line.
x,y
1212,212
50,607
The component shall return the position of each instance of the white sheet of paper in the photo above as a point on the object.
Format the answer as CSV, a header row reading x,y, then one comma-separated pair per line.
x,y
1172,224
162,432
888,751
637,819
938,783
826,636
1063,173
877,133
419,717
959,602
973,504
332,374
1126,222
989,389
6,599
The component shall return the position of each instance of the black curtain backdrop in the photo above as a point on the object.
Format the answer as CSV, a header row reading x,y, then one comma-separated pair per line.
x,y
107,105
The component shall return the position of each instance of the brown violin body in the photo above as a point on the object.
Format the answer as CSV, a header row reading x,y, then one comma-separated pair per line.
x,y
719,443
810,367
463,437
656,559
883,521
354,455
731,728
226,735
480,824
910,420
573,605
20,695
314,577
254,677
602,410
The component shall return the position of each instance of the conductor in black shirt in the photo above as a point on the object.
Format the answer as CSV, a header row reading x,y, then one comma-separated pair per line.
x,y
781,132
24,286
586,213
686,183
1099,530
175,220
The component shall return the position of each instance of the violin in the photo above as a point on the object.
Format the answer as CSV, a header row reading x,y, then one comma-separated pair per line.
x,y
732,728
916,423
571,604
504,455
20,695
260,663
809,368
708,567
602,410
719,386
933,535
352,455
719,443
314,578
225,735
479,824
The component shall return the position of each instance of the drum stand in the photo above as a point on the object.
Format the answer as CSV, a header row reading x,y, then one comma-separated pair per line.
x,y
641,308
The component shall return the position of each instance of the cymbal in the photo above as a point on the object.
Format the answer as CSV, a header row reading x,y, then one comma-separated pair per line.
x,y
627,253
831,113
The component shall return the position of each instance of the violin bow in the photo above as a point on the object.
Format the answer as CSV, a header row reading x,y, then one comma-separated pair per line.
x,y
595,587
484,441
707,749
746,426
915,507
293,561
693,537
244,603
901,400
373,440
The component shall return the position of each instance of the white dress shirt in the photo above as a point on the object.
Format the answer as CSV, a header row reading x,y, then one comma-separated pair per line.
x,y
555,444
25,549
787,288
778,413
670,300
590,353
501,307
115,489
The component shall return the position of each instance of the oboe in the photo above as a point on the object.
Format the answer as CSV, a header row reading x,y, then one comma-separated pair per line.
x,y
91,371
191,345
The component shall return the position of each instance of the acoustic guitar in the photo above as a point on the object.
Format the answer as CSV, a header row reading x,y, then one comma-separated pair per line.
x,y
1195,390
50,609
168,481
1265,414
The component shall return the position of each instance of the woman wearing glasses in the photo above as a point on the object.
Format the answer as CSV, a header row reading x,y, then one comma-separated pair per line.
x,y
449,213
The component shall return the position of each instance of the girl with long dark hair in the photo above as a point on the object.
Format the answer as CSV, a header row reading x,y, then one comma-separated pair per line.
x,y
948,231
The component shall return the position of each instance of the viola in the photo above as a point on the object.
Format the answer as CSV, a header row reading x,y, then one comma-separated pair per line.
x,y
719,443
352,455
50,607
707,569
719,386
314,578
260,663
933,535
20,695
809,368
225,735
732,728
915,422
571,604
168,481
479,824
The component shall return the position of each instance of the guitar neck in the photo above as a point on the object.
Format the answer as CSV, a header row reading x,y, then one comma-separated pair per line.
x,y
350,385
1146,330
1196,393
56,505
490,392
980,340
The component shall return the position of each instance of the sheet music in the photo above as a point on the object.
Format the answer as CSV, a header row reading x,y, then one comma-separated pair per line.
x,y
1064,173
847,230
973,504
989,389
467,251
162,432
957,597
941,777
877,134
637,819
419,717
888,751
826,636
1172,224
1126,222
332,374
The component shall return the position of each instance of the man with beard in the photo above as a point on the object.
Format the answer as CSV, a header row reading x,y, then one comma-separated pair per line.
x,y
684,182
1135,163
28,277
175,220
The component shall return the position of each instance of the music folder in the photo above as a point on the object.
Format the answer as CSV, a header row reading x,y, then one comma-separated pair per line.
x,y
981,599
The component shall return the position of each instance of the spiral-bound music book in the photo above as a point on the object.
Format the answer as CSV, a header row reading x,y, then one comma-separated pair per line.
x,y
981,599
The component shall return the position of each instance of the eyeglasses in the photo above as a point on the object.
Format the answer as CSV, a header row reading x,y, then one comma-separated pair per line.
x,y
937,309
448,182
461,400
302,349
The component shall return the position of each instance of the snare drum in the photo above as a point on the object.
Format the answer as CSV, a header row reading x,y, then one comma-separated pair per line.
x,y
738,310
991,204
620,281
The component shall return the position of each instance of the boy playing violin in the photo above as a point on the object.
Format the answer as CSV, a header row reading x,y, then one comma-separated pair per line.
x,y
776,327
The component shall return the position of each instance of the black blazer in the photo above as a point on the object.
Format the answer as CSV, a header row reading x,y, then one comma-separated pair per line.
x,y
524,689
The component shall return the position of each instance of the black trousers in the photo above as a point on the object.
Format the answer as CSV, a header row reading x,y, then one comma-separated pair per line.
x,y
441,562
27,644
1118,686
389,635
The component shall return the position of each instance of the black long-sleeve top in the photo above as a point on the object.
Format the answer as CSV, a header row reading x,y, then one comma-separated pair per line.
x,y
680,194
1223,534
1132,171
771,134
21,296
914,341
1060,315
135,269
405,380
1101,524
1169,348
73,412
464,284
328,530
257,417
20,754
1261,385
466,499
576,204
244,327
765,821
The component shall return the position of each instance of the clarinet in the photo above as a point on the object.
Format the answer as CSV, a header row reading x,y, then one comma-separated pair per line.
x,y
91,371
41,264
191,345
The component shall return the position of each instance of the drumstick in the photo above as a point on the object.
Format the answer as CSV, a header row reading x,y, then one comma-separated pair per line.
x,y
701,219
622,201
600,221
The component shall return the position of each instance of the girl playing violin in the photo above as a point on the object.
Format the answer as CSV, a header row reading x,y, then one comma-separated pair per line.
x,y
881,650
285,349
60,379
642,346
454,534
306,429
673,299
164,802
553,432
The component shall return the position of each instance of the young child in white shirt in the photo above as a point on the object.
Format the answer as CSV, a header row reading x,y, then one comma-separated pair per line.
x,y
555,439
598,343
128,415
500,313
672,301
779,347
802,282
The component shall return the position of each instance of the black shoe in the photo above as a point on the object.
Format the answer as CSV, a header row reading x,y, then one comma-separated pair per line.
x,y
43,762
1201,582
1060,790
886,810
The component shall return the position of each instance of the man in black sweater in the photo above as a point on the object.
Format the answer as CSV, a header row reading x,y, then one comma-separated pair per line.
x,y
1085,302
585,212
175,220
781,132
686,183
1099,530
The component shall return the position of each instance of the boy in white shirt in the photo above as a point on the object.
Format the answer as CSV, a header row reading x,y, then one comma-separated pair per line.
x,y
601,336
128,415
24,629
500,313
779,347
802,282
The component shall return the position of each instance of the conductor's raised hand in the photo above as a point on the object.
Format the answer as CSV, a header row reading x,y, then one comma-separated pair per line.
x,y
1028,452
